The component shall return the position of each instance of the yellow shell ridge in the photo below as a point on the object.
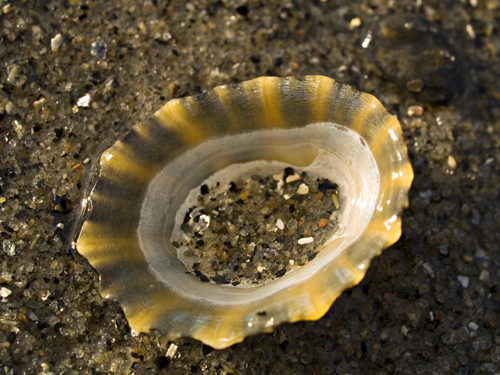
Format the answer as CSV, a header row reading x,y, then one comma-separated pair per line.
x,y
146,176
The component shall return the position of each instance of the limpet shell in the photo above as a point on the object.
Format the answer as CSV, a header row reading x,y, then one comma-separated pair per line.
x,y
145,177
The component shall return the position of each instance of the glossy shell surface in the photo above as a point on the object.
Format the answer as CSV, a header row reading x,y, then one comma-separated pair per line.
x,y
145,177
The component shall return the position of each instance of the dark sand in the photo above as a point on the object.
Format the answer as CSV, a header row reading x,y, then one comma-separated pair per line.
x,y
430,304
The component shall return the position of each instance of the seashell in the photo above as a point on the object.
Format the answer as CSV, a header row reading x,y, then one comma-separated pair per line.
x,y
310,123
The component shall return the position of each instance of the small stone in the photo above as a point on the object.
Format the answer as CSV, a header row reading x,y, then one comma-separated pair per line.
x,y
56,42
404,330
464,280
98,49
443,250
415,110
323,223
4,292
283,337
338,229
84,101
173,88
452,163
9,107
335,217
470,31
195,212
428,269
415,85
16,77
484,275
32,316
291,224
280,224
473,326
305,240
279,186
303,189
468,258
7,8
77,167
171,351
202,224
335,200
9,248
355,22
293,177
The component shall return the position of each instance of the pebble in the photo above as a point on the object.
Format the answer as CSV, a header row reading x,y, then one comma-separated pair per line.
x,y
464,280
98,49
415,110
280,224
173,88
84,101
171,351
473,326
32,316
322,223
303,189
203,223
291,224
415,85
5,292
292,178
335,200
470,31
355,22
56,42
452,163
305,240
9,247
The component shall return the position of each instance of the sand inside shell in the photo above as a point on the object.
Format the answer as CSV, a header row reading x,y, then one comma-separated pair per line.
x,y
257,227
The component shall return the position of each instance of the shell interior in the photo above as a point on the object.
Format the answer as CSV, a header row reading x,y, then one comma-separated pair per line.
x,y
323,148
149,177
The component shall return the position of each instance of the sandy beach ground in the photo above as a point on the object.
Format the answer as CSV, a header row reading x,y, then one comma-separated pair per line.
x,y
75,75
